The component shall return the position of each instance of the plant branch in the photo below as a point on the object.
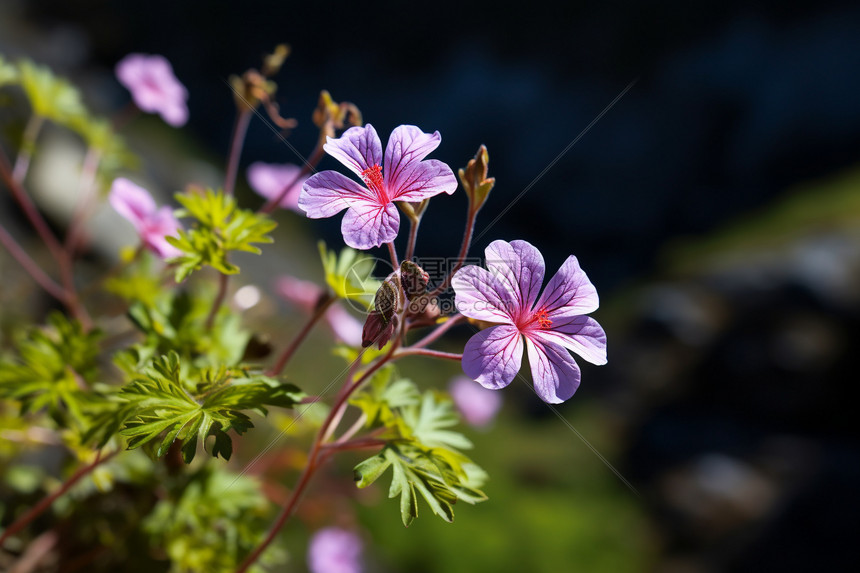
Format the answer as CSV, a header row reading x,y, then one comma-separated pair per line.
x,y
240,129
410,351
464,249
28,143
47,501
32,268
217,302
288,352
394,262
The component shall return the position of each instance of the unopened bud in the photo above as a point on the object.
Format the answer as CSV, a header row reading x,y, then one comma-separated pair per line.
x,y
272,62
330,116
377,330
414,279
474,179
387,299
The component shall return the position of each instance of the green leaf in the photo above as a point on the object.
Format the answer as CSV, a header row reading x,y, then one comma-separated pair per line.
x,y
379,398
8,72
52,97
350,274
53,371
160,405
219,228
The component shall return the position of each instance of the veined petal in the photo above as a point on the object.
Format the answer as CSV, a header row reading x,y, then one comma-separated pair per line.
x,y
358,148
554,371
328,193
367,224
569,292
482,296
519,265
131,201
407,146
581,334
422,180
494,356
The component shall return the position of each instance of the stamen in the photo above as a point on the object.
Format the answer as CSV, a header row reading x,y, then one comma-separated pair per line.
x,y
542,318
372,177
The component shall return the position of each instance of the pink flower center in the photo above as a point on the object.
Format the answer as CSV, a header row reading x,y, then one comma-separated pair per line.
x,y
372,177
542,318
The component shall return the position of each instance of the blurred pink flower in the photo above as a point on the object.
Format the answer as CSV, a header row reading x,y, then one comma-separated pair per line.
x,y
476,404
335,550
305,295
153,87
269,180
152,224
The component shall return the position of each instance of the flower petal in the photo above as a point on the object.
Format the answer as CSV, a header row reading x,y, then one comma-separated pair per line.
x,y
554,371
270,179
328,193
156,228
481,296
358,148
569,292
476,404
131,201
581,334
367,224
346,327
407,146
423,180
520,267
494,356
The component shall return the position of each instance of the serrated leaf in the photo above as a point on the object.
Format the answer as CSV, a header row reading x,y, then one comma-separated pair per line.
x,y
51,96
159,405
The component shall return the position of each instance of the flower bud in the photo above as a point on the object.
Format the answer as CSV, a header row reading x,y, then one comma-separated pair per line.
x,y
330,115
378,330
272,62
414,279
475,181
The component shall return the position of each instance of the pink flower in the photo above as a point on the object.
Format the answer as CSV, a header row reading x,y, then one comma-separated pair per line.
x,y
476,404
305,295
152,224
269,180
153,87
371,217
335,550
507,293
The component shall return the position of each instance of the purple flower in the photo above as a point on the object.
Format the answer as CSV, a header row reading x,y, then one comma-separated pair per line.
x,y
306,295
269,180
153,87
507,293
152,224
371,218
476,404
335,550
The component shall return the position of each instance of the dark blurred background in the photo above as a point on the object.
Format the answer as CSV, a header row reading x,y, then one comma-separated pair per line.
x,y
715,206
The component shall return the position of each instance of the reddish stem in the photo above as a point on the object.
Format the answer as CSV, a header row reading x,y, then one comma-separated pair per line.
x,y
32,268
46,502
240,129
464,249
219,300
409,351
309,166
313,459
288,352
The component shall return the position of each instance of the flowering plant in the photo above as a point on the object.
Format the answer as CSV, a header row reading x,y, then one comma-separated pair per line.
x,y
135,377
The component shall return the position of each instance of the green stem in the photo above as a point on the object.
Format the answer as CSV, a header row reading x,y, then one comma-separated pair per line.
x,y
28,145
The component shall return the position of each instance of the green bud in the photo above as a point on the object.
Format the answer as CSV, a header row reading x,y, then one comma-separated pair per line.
x,y
475,181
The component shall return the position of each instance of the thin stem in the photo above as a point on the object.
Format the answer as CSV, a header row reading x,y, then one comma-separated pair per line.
x,y
393,253
359,444
464,249
409,351
309,166
243,119
354,429
439,331
219,300
88,179
28,144
44,231
46,501
288,352
32,268
413,234
313,459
